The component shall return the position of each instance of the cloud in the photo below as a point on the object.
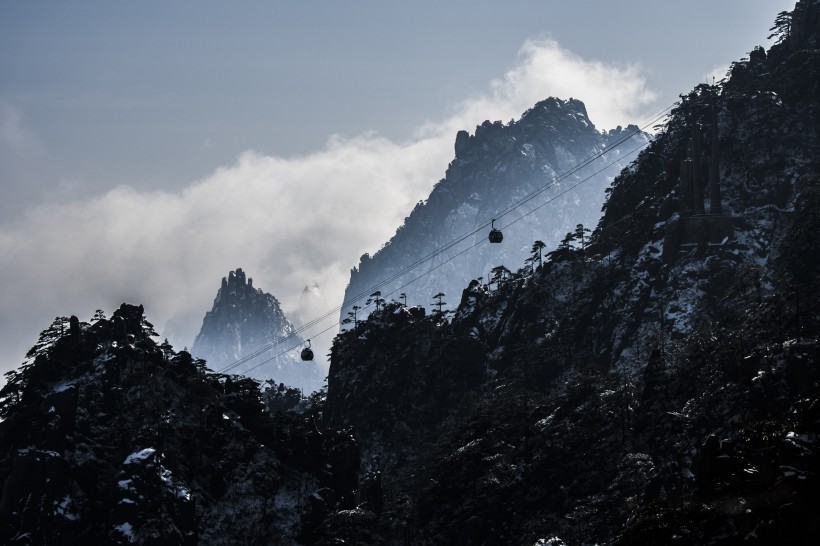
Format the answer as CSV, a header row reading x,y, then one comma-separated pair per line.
x,y
286,221
717,73
613,94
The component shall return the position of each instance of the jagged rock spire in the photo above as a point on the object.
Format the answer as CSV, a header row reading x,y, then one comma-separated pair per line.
x,y
244,320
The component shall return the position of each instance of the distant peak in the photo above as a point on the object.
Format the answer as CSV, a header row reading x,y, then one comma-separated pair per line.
x,y
553,105
550,112
237,277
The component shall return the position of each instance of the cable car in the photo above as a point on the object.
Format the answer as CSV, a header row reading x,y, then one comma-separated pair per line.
x,y
495,234
307,353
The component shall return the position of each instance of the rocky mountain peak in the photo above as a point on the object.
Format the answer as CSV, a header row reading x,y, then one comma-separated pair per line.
x,y
552,109
560,119
245,320
493,169
235,283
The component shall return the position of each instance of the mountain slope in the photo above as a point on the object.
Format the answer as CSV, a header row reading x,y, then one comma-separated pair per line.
x,y
109,438
494,168
650,384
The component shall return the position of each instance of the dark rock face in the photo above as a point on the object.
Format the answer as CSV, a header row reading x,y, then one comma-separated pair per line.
x,y
492,169
107,438
245,320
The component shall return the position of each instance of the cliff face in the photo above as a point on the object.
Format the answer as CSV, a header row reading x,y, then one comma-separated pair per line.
x,y
245,320
494,168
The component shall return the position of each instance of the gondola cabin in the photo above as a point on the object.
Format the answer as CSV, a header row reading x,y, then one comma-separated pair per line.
x,y
495,234
307,352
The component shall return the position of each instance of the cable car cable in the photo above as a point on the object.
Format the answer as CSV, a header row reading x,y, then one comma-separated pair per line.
x,y
654,119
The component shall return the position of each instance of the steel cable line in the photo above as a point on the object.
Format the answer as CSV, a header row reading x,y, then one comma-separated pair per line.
x,y
393,292
554,182
454,242
464,251
654,119
515,205
451,258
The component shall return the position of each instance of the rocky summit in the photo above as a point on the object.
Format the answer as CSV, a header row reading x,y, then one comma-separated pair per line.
x,y
247,333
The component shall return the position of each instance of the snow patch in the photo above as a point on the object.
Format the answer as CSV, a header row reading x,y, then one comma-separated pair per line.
x,y
127,531
65,508
63,386
551,541
140,456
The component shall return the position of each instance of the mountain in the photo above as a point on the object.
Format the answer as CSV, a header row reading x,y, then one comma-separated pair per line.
x,y
655,381
243,322
544,154
107,437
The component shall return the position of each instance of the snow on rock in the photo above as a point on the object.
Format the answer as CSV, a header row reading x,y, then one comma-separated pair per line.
x,y
125,531
552,541
140,456
66,508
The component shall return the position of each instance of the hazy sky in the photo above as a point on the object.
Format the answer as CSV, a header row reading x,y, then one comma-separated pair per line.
x,y
146,148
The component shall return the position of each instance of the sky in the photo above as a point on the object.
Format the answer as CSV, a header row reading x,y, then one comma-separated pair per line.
x,y
147,148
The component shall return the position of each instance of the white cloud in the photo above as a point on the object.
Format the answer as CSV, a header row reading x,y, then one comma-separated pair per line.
x,y
614,95
717,73
286,222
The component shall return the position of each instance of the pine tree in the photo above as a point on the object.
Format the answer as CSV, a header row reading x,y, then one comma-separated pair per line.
x,y
537,248
439,303
782,27
376,298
